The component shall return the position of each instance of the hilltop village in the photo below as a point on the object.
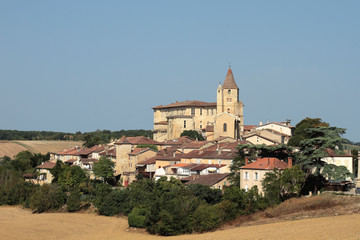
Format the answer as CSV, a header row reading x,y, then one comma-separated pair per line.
x,y
206,162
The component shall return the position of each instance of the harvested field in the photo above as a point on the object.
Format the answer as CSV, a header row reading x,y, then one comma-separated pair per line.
x,y
17,223
11,148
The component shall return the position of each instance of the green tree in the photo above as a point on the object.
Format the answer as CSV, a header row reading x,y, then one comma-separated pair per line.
x,y
104,169
314,149
336,173
72,177
280,185
47,197
73,202
301,133
192,134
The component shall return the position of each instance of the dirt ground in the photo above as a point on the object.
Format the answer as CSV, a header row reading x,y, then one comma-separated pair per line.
x,y
11,148
18,224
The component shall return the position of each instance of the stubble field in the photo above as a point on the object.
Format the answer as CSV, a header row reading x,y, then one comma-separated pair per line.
x,y
11,148
20,224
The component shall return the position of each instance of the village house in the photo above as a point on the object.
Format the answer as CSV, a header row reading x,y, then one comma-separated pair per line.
x,y
221,118
43,172
252,174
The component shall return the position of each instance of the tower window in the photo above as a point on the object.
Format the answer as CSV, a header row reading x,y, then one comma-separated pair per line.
x,y
200,111
229,91
192,111
184,123
225,127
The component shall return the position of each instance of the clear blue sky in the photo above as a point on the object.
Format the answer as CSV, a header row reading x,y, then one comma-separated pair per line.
x,y
87,65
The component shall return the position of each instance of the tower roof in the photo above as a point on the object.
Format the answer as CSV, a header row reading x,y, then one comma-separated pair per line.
x,y
229,82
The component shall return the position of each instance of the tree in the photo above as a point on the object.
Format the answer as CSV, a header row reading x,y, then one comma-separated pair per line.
x,y
336,173
280,185
72,177
192,134
104,169
314,149
300,132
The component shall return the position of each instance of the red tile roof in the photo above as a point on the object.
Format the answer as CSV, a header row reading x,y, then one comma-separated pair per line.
x,y
229,82
249,127
179,141
137,141
194,144
137,151
110,152
331,153
46,165
149,161
187,104
88,160
266,164
209,180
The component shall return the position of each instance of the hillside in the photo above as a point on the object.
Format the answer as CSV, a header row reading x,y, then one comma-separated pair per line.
x,y
11,148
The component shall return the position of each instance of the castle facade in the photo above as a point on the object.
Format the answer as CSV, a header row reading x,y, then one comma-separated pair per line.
x,y
223,118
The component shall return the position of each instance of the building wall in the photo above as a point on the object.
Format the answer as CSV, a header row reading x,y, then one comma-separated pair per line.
x,y
259,140
248,182
221,184
341,161
122,157
276,127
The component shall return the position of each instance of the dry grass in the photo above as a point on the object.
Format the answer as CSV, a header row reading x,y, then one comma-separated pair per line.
x,y
11,148
20,224
302,208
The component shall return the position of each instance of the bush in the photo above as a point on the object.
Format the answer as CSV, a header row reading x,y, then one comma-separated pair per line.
x,y
114,203
47,197
73,202
207,217
138,217
227,210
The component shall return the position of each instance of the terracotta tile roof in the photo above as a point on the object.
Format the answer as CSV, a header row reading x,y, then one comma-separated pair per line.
x,y
266,164
46,165
71,161
209,180
88,160
97,148
200,167
331,153
194,144
137,151
29,175
187,104
229,82
149,161
249,127
72,151
210,154
179,141
137,140
110,153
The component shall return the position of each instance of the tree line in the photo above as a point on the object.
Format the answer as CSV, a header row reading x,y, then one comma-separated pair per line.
x,y
93,138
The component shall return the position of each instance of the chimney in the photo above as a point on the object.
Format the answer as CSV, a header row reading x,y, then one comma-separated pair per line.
x,y
219,151
246,161
290,162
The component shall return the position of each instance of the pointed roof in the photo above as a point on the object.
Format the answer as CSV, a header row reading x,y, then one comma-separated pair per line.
x,y
229,82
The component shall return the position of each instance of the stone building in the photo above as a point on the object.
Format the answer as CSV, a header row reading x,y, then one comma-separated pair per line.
x,y
221,118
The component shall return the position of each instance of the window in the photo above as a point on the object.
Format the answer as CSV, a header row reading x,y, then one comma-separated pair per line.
x,y
246,188
229,91
207,112
200,111
192,111
246,175
228,110
184,123
212,111
225,127
256,176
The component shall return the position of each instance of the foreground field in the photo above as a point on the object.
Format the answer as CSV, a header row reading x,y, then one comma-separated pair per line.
x,y
17,223
11,148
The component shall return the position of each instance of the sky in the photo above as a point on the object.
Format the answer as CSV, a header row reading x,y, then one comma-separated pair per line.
x,y
87,65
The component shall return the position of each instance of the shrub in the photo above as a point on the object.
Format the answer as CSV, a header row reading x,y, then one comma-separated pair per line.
x,y
73,202
207,217
227,210
138,217
47,197
114,203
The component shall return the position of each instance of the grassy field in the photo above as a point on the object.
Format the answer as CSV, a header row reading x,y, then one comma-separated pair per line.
x,y
11,148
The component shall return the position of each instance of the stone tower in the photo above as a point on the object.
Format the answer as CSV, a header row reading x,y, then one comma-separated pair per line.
x,y
228,102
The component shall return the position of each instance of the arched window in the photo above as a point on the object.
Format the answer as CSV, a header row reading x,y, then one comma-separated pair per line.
x,y
225,127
